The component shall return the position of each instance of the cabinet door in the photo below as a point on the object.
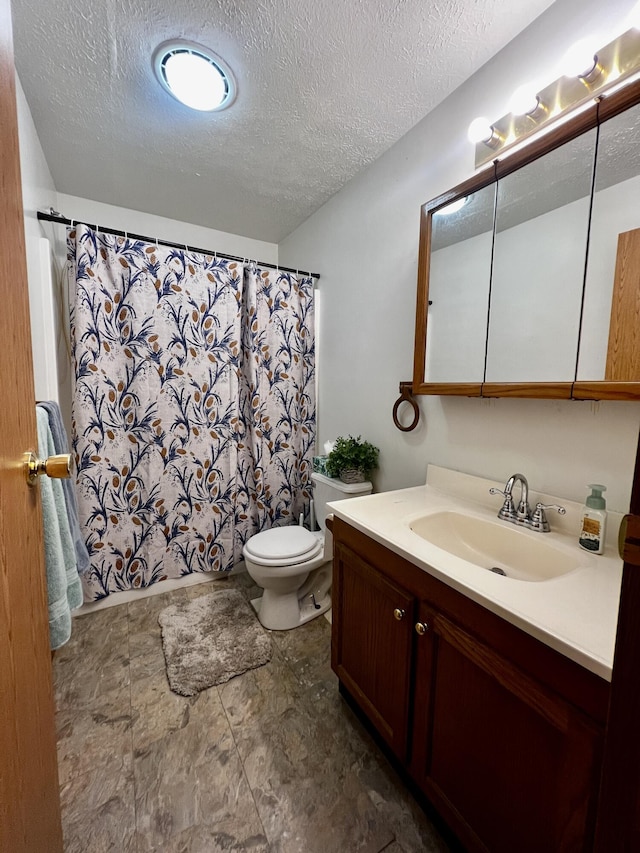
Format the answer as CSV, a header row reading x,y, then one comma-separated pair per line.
x,y
371,644
511,765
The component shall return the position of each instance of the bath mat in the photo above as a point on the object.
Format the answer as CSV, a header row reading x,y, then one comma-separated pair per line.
x,y
211,639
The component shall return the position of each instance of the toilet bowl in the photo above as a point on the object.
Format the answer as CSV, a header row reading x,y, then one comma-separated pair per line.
x,y
293,565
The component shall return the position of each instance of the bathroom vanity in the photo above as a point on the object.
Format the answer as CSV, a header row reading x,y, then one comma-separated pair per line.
x,y
491,691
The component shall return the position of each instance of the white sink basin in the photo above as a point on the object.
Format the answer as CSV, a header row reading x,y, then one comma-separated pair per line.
x,y
518,553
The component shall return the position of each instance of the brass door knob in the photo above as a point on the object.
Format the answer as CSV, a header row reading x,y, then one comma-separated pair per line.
x,y
57,467
421,628
398,613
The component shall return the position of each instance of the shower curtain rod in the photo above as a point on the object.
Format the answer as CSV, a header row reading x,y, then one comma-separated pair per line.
x,y
54,216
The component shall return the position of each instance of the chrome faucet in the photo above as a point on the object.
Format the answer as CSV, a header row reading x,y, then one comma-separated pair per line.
x,y
522,515
508,512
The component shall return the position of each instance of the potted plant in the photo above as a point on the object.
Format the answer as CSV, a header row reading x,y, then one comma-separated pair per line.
x,y
352,460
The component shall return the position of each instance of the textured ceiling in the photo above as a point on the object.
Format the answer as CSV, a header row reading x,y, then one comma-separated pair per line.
x,y
324,88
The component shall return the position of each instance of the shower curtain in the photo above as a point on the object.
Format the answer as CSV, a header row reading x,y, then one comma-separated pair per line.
x,y
193,406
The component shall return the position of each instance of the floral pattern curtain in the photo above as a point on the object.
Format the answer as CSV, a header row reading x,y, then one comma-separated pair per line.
x,y
193,406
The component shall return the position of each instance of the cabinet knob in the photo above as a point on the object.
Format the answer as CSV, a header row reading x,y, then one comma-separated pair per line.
x,y
421,628
398,613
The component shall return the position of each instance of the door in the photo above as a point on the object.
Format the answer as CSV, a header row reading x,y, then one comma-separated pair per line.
x,y
29,800
371,652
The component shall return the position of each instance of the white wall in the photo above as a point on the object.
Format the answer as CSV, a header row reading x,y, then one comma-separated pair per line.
x,y
364,243
147,224
38,191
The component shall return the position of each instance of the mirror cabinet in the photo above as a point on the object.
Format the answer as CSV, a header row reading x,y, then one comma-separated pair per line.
x,y
529,272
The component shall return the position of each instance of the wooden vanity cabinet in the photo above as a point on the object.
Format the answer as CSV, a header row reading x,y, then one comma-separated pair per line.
x,y
501,733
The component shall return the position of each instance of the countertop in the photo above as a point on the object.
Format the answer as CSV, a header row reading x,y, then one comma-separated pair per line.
x,y
576,613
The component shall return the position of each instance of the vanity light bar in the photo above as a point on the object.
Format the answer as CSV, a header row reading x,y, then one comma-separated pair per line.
x,y
613,63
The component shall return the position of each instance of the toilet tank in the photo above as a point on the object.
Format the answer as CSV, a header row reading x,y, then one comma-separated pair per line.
x,y
326,489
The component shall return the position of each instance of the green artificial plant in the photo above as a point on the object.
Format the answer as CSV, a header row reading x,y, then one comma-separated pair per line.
x,y
352,454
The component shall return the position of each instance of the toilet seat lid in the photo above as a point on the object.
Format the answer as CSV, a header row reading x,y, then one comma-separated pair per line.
x,y
282,543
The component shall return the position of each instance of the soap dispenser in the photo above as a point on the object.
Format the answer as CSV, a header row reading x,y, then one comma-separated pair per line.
x,y
594,521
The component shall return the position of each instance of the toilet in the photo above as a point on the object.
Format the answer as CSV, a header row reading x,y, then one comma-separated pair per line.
x,y
293,565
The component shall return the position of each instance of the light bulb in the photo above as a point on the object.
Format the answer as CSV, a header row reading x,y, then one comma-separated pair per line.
x,y
580,59
480,130
524,100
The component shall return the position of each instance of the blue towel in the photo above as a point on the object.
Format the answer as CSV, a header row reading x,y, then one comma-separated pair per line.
x,y
61,444
64,591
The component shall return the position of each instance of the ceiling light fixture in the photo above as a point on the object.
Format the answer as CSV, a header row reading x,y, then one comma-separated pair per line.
x,y
587,73
194,75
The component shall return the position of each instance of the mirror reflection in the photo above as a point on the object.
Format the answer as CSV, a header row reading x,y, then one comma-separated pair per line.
x,y
459,278
610,339
542,224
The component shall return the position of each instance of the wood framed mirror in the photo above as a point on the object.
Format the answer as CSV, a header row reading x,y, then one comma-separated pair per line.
x,y
529,272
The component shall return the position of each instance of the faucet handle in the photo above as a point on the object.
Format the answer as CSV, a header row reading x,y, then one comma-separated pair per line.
x,y
560,509
539,519
507,510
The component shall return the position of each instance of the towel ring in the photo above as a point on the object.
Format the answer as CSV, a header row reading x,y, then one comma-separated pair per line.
x,y
406,397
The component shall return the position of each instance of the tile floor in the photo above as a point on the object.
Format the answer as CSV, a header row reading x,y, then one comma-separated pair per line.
x,y
273,760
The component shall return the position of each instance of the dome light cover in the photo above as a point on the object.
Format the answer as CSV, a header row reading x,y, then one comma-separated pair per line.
x,y
194,75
